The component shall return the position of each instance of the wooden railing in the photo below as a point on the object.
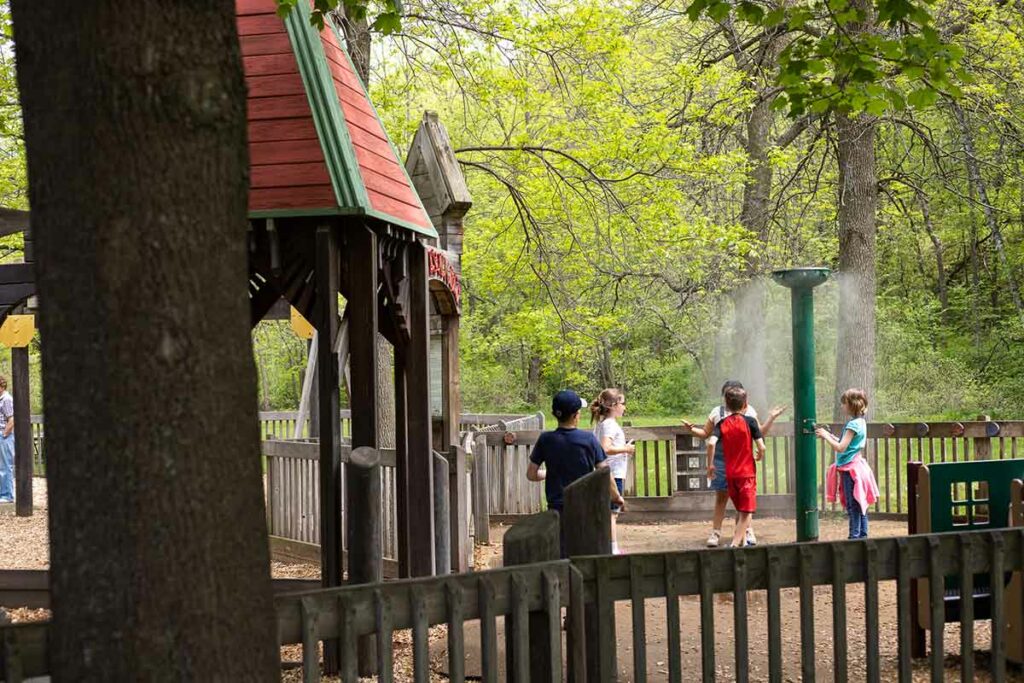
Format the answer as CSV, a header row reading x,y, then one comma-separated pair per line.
x,y
589,587
293,493
669,460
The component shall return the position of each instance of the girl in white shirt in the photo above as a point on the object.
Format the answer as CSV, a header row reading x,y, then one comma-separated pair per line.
x,y
606,410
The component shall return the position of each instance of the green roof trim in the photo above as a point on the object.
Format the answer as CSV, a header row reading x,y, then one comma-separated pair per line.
x,y
332,131
342,165
394,150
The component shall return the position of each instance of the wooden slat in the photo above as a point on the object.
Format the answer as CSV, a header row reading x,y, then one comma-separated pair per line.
x,y
456,635
774,617
806,615
398,209
488,632
739,604
639,621
605,626
966,611
267,65
262,23
275,85
996,581
871,612
310,643
553,611
312,197
577,628
282,129
280,107
839,659
382,624
420,646
675,664
938,614
348,641
707,620
288,175
888,489
520,631
265,44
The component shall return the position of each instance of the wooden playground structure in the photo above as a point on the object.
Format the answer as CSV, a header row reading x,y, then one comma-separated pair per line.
x,y
334,213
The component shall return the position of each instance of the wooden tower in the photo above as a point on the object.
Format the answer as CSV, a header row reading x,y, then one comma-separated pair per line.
x,y
332,211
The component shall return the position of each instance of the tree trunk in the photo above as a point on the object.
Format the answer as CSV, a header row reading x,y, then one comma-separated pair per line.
x,y
533,381
937,247
385,394
749,300
858,199
136,139
358,39
981,191
748,340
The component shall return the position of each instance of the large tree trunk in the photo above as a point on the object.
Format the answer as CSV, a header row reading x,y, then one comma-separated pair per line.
x,y
749,300
135,129
858,199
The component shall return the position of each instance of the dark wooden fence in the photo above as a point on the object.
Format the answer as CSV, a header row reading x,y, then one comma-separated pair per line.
x,y
659,581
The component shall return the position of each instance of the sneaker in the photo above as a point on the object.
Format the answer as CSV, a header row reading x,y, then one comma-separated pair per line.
x,y
750,538
714,538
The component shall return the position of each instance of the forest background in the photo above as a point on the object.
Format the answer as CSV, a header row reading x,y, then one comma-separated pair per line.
x,y
636,176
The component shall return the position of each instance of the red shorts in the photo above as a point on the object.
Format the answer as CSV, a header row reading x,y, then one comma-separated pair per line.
x,y
743,493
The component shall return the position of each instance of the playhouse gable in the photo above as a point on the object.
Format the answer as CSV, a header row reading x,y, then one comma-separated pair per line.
x,y
316,144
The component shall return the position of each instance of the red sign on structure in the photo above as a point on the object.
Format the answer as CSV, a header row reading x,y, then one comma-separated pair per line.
x,y
441,269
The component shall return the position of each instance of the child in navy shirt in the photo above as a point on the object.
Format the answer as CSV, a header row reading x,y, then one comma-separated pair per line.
x,y
567,453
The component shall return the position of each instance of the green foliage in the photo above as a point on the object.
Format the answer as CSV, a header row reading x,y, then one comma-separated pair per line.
x,y
386,13
844,55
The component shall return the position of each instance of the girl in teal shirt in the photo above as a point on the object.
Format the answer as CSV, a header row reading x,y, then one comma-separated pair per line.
x,y
855,403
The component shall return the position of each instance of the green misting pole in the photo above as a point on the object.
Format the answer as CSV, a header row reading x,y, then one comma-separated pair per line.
x,y
801,281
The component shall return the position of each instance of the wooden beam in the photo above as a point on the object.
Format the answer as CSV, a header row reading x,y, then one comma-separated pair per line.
x,y
17,273
417,369
13,221
22,432
327,266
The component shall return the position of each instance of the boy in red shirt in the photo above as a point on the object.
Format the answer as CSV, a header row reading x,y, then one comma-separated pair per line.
x,y
738,432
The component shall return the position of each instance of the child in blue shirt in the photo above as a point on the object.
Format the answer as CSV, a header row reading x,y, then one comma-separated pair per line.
x,y
855,474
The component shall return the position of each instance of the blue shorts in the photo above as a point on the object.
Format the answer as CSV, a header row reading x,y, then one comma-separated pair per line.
x,y
718,482
620,484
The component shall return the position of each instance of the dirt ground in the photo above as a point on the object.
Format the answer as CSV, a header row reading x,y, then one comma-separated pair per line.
x,y
24,545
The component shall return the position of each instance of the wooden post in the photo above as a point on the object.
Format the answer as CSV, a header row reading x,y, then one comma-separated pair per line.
x,y
917,634
22,432
458,515
365,549
451,404
327,286
442,536
983,444
401,463
481,500
587,530
419,478
533,539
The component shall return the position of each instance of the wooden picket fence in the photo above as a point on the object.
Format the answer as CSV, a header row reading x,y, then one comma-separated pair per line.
x,y
670,461
293,494
588,588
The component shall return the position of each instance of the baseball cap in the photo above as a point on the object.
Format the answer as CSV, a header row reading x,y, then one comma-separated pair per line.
x,y
565,403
